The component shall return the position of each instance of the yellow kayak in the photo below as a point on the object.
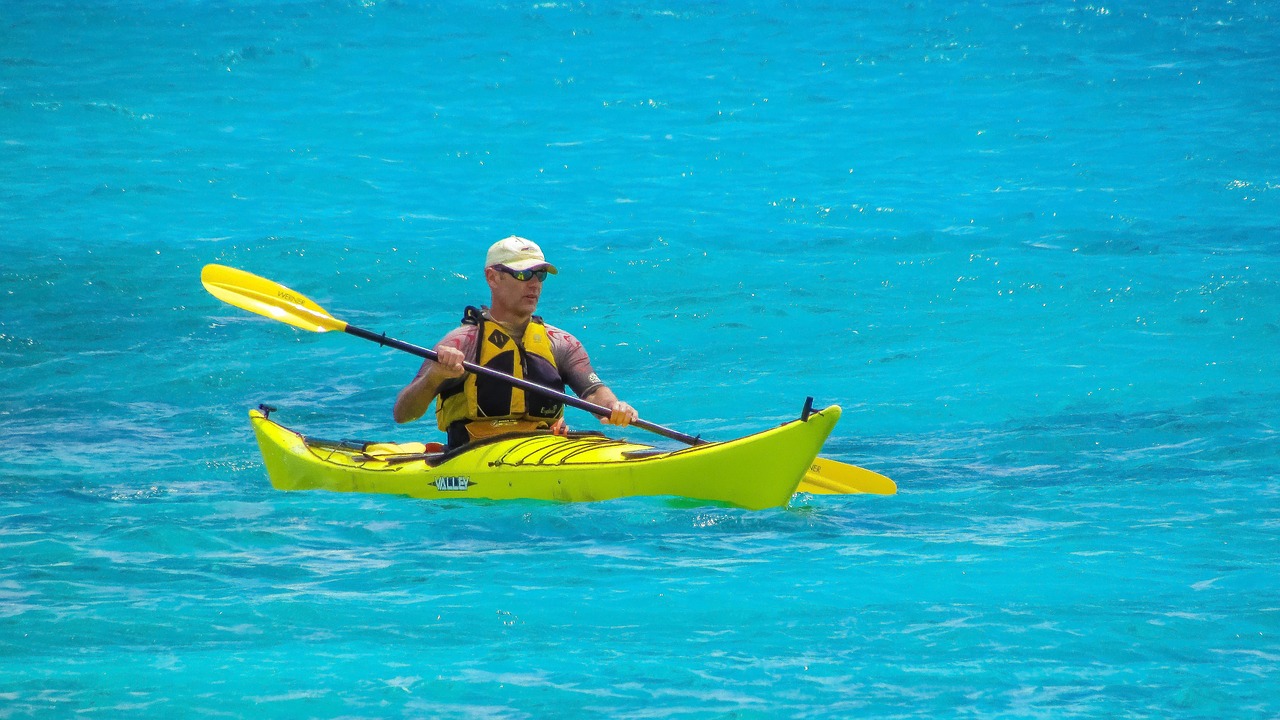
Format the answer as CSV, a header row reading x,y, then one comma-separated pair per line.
x,y
755,472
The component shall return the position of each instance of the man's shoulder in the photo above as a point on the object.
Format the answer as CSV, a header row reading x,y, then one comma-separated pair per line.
x,y
559,334
460,336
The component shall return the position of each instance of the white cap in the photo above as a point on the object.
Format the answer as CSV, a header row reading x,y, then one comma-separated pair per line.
x,y
518,254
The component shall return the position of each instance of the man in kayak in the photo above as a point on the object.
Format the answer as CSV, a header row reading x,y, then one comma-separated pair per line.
x,y
507,337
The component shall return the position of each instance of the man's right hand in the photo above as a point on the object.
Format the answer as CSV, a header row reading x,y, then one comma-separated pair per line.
x,y
448,363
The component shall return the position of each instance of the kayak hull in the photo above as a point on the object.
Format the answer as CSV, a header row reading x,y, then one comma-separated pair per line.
x,y
755,472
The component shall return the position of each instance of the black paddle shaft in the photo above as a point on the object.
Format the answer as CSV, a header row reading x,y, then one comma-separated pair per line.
x,y
600,410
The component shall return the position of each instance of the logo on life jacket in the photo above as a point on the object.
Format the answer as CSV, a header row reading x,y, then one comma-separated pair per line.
x,y
498,338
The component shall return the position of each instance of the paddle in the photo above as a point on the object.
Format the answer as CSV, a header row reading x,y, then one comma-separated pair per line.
x,y
269,299
828,477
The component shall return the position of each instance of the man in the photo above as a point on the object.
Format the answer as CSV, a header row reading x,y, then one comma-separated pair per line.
x,y
508,337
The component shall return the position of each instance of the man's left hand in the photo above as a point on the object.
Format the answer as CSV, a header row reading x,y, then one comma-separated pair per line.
x,y
621,414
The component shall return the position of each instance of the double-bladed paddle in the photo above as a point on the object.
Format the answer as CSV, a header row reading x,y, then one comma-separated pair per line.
x,y
270,299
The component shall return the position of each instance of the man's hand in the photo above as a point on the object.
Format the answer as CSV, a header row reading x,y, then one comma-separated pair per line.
x,y
622,414
448,363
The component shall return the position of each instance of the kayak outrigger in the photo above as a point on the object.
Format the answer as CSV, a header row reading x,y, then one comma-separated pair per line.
x,y
755,472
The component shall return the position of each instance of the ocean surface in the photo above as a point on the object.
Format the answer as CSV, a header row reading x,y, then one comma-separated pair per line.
x,y
1031,248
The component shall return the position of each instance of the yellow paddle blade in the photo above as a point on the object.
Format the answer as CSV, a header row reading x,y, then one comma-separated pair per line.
x,y
264,297
828,477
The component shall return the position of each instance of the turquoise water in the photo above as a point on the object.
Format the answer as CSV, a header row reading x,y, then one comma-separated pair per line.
x,y
1031,248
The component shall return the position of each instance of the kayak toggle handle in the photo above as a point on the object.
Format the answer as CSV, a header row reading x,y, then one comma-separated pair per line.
x,y
266,410
808,409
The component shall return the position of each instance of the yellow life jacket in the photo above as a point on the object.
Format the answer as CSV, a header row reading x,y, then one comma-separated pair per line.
x,y
487,406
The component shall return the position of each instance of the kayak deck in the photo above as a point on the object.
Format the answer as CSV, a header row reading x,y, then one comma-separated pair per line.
x,y
755,472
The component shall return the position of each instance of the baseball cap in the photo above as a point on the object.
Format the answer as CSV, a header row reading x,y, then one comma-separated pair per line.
x,y
517,253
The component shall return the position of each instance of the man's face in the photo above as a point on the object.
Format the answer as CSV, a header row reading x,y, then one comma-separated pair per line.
x,y
511,295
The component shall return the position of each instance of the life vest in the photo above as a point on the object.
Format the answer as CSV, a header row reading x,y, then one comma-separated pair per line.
x,y
488,406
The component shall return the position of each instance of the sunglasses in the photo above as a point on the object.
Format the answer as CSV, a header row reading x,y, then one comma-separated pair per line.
x,y
523,275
